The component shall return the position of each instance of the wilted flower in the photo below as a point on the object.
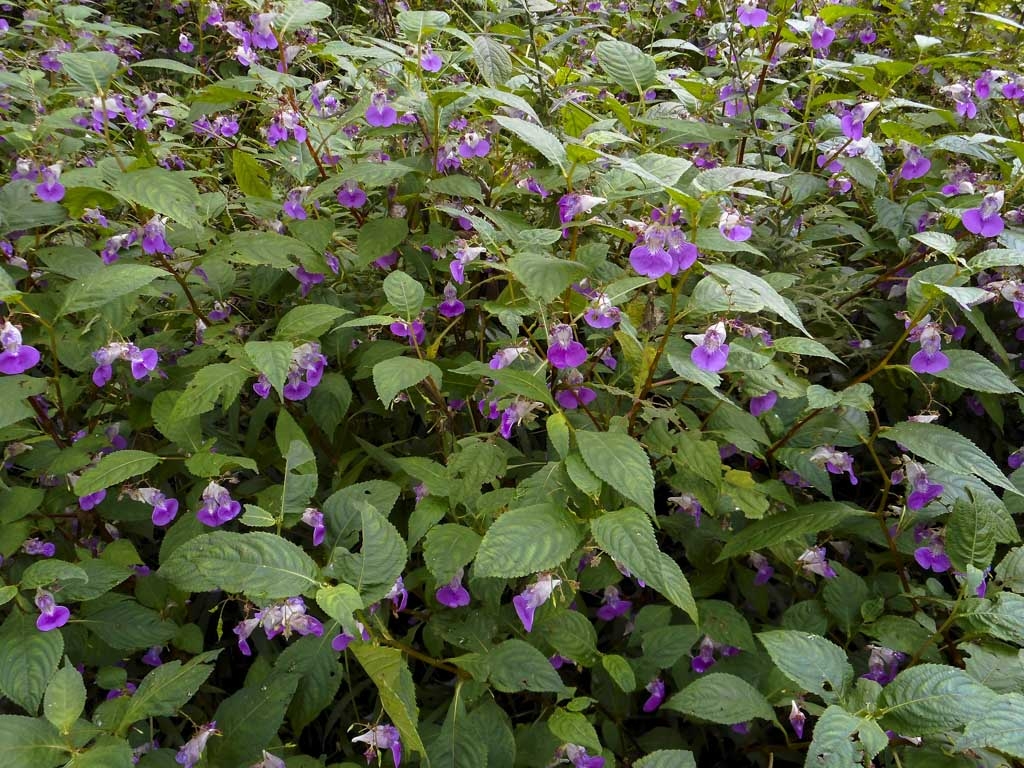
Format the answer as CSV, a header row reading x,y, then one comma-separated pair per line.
x,y
190,754
764,569
514,415
464,254
381,737
687,504
797,719
398,595
813,560
505,357
530,599
883,664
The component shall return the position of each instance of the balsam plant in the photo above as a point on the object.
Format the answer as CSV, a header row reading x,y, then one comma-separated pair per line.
x,y
514,384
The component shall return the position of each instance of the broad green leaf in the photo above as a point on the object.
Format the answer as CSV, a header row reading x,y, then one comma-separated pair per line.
x,y
528,540
169,193
28,659
43,573
257,564
492,59
1003,618
447,548
105,752
380,561
309,321
937,241
724,622
261,249
378,237
322,673
64,699
509,381
1000,728
340,602
620,461
628,537
399,373
29,742
797,345
220,381
626,65
619,671
545,277
300,480
538,138
932,698
462,743
721,698
249,719
815,664
970,370
574,728
843,596
667,758
115,468
166,689
723,177
948,449
404,293
833,745
299,13
250,176
101,575
664,646
169,65
122,623
970,535
740,278
90,69
788,525
105,285
418,25
518,666
571,634
389,673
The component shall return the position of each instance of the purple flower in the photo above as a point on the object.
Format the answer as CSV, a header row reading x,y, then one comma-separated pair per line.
x,y
218,507
573,395
293,204
563,350
922,491
580,759
530,599
50,190
657,690
262,386
262,32
306,279
764,570
152,657
164,509
612,604
985,219
305,371
190,754
270,761
380,114
705,658
761,404
415,331
351,195
34,546
711,352
453,594
852,122
749,15
451,306
883,664
915,164
512,416
797,719
154,237
687,504
1016,459
315,518
464,255
51,615
813,560
572,204
184,44
661,247
288,616
90,501
835,462
932,556
732,97
505,357
930,358
398,595
143,361
530,184
15,357
601,313
342,640
430,61
734,226
822,35
474,145
381,737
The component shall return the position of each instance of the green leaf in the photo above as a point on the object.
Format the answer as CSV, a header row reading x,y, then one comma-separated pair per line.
x,y
620,461
509,381
723,177
250,719
404,293
28,659
166,689
518,666
43,573
844,595
220,381
571,634
418,25
399,373
932,698
970,535
340,602
970,370
537,137
322,673
250,176
272,359
1000,728
735,277
833,746
378,237
101,575
620,672
462,743
104,285
797,345
120,622
261,249
28,742
105,752
721,698
626,65
788,525
115,468
664,646
380,561
257,564
309,321
628,537
389,673
948,449
90,69
300,13
937,241
64,699
574,728
169,65
493,60
544,277
815,664
447,548
169,193
528,540
667,758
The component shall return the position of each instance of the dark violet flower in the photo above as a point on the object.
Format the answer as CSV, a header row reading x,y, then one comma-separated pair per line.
x,y
351,195
514,415
381,737
453,594
414,331
305,372
218,507
573,204
1016,459
563,350
184,44
835,462
761,404
191,753
764,570
34,546
306,279
579,758
915,164
813,560
734,226
985,219
398,595
822,35
430,61
342,640
164,509
530,184
154,237
661,247
288,616
530,599
732,98
749,15
143,361
852,122
932,556
601,313
922,491
51,615
705,658
90,501
930,358
474,145
151,658
797,719
883,664
292,206
380,114
451,306
557,661
50,190
613,604
711,352
315,519
572,394
262,386
15,357
657,690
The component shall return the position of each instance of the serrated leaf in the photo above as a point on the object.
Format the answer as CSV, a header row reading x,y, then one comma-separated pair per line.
x,y
740,278
404,293
791,524
309,321
399,373
90,69
527,540
571,634
619,671
833,745
169,193
970,535
721,698
937,241
378,237
250,718
518,666
545,277
492,59
797,345
970,370
166,689
220,381
418,25
28,742
537,137
447,548
380,561
340,602
815,664
28,659
64,699
1001,728
43,573
115,468
170,65
250,176
627,65
389,673
299,13
105,285
667,758
722,178
122,623
257,564
574,728
461,742
932,698
948,449
620,461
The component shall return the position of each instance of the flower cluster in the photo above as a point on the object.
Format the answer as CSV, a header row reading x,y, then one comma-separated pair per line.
x,y
143,361
305,372
281,618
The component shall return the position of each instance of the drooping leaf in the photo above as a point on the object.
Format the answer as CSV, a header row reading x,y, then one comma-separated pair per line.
x,y
389,673
115,468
